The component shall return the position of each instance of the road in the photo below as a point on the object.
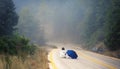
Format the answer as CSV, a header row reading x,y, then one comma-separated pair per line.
x,y
85,60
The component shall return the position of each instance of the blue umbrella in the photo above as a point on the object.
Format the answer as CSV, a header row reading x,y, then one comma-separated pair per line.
x,y
72,54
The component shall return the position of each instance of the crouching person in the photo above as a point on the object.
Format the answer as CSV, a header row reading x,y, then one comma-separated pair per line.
x,y
63,53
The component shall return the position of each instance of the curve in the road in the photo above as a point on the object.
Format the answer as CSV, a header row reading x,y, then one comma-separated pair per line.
x,y
85,57
52,63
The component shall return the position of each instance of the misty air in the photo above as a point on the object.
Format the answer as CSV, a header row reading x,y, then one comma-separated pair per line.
x,y
59,34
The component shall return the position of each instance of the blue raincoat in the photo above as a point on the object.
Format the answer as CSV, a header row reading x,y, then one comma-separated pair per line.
x,y
72,54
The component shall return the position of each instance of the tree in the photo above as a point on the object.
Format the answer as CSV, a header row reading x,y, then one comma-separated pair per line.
x,y
8,17
93,31
30,27
112,40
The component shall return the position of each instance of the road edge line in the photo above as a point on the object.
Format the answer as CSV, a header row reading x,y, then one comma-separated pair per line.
x,y
51,60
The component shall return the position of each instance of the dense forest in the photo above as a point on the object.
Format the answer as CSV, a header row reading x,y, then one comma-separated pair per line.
x,y
96,23
102,24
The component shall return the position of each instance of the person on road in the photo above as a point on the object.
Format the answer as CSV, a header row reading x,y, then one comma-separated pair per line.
x,y
63,53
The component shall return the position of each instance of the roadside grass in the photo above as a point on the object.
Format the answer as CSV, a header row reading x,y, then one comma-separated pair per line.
x,y
37,61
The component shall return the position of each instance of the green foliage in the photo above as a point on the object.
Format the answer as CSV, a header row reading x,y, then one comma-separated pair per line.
x,y
8,17
15,45
93,25
112,40
103,24
11,45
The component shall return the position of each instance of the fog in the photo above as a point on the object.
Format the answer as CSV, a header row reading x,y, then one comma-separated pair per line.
x,y
60,19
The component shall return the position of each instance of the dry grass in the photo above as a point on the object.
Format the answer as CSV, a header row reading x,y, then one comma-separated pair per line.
x,y
37,61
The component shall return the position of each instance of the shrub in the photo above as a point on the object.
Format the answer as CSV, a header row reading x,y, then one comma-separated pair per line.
x,y
10,45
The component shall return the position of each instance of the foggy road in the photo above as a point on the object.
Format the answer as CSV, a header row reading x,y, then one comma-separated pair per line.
x,y
86,60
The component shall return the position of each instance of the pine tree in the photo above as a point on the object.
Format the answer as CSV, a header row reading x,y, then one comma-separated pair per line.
x,y
8,17
113,26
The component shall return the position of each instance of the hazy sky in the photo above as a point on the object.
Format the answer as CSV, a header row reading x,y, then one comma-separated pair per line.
x,y
55,15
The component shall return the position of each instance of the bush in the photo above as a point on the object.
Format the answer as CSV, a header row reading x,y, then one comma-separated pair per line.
x,y
11,46
15,45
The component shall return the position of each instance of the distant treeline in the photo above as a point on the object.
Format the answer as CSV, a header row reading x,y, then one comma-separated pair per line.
x,y
102,24
30,27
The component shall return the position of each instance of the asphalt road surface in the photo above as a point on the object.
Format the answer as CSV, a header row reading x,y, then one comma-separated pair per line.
x,y
85,60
